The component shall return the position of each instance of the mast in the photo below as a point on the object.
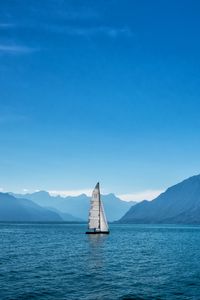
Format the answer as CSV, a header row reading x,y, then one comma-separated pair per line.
x,y
99,206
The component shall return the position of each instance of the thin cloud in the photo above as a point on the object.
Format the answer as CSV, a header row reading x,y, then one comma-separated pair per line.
x,y
6,25
73,15
60,10
91,31
139,196
101,30
16,49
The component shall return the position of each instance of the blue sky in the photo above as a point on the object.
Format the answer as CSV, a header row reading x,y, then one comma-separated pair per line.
x,y
99,90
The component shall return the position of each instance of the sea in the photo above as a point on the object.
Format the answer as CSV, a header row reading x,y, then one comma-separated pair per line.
x,y
59,261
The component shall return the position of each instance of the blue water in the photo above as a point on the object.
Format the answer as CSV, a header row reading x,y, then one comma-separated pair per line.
x,y
58,261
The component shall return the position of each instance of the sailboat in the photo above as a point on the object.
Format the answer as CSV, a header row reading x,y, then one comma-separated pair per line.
x,y
97,222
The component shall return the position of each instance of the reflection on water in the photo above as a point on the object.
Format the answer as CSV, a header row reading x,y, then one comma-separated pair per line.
x,y
96,250
97,240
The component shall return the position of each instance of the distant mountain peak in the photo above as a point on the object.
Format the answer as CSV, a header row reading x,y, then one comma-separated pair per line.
x,y
111,195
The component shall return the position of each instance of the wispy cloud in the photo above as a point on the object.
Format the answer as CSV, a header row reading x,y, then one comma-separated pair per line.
x,y
16,49
85,14
83,31
6,25
139,196
101,30
63,10
9,45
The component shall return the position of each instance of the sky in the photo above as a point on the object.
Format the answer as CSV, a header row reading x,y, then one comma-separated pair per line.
x,y
103,91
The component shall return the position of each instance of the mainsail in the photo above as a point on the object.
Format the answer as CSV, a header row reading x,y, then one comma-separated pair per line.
x,y
97,218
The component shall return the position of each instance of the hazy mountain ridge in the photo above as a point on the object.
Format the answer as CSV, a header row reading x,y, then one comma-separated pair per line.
x,y
78,206
178,204
65,216
22,210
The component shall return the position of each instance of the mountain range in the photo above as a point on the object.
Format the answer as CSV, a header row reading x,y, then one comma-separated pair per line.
x,y
178,204
75,208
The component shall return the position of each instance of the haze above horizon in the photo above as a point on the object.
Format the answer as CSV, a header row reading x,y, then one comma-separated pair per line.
x,y
99,91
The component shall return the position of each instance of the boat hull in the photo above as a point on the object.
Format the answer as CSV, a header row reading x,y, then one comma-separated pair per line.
x,y
97,232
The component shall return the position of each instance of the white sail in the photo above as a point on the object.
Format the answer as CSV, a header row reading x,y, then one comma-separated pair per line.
x,y
103,221
94,213
97,218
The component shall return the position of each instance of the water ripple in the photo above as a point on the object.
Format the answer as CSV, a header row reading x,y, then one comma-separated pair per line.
x,y
58,261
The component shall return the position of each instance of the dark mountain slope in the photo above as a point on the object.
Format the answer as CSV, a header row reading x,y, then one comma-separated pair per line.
x,y
13,209
179,204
